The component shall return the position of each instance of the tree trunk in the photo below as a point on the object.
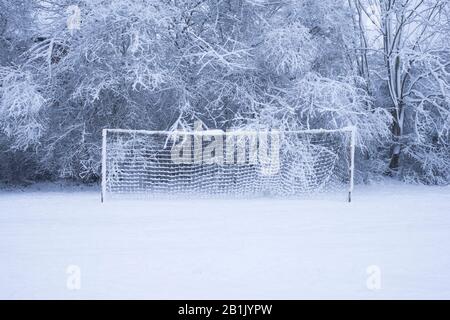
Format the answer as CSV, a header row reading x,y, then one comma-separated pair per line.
x,y
397,132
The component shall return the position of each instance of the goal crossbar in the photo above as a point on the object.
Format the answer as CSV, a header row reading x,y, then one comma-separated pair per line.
x,y
234,132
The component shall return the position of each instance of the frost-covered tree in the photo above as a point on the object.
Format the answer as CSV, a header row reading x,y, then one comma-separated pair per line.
x,y
313,83
68,69
407,45
20,96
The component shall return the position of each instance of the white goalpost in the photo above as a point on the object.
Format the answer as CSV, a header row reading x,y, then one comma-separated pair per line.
x,y
236,164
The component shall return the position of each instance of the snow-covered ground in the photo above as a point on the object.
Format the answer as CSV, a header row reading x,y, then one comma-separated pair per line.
x,y
226,249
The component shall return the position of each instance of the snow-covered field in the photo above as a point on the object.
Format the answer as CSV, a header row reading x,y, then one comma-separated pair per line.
x,y
226,249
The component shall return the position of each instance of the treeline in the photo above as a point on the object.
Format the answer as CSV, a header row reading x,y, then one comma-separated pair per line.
x,y
70,68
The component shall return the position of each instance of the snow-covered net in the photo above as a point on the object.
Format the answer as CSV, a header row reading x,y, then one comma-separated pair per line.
x,y
227,164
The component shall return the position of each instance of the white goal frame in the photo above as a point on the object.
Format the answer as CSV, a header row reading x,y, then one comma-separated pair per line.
x,y
350,129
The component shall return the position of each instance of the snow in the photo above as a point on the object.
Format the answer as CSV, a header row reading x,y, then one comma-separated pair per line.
x,y
204,249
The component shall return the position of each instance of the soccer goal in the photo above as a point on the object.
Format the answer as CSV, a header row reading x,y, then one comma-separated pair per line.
x,y
236,164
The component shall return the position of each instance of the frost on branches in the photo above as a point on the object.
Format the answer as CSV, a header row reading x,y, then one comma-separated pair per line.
x,y
70,69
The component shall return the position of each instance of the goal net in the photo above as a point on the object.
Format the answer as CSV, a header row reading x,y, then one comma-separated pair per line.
x,y
214,163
